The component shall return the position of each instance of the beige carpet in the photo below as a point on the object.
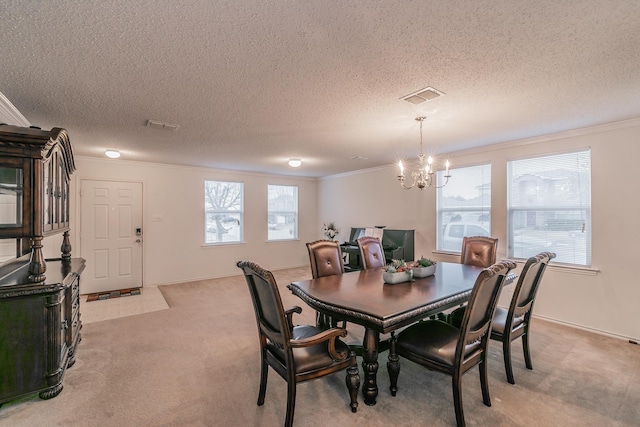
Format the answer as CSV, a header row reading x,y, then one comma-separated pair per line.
x,y
196,364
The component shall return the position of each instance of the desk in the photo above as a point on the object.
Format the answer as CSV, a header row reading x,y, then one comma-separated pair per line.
x,y
363,298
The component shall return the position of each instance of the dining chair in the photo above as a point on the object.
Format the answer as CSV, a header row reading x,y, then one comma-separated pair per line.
x,y
296,353
479,250
371,252
513,323
325,258
442,347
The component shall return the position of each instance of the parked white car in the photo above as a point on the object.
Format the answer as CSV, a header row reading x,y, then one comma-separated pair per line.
x,y
454,232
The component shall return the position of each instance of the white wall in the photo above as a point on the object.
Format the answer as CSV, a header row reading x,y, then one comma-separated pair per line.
x,y
173,248
605,301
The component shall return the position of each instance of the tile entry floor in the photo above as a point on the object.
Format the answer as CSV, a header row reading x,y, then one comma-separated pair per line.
x,y
150,299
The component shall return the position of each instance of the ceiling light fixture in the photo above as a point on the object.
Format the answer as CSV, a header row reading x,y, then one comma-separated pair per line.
x,y
112,154
423,177
294,163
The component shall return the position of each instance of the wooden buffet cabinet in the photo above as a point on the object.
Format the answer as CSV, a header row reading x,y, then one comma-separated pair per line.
x,y
39,299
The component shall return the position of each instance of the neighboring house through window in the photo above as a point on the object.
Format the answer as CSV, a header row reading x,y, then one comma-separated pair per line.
x,y
223,206
549,207
282,221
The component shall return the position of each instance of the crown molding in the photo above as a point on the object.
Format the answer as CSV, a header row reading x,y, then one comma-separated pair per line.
x,y
508,144
10,115
605,127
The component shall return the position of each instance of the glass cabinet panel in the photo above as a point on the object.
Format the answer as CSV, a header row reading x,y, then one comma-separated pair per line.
x,y
46,208
11,193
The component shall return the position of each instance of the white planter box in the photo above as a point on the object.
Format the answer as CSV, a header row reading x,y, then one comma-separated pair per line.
x,y
393,278
424,271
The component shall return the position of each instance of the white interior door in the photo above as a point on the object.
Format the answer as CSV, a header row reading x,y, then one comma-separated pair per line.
x,y
111,235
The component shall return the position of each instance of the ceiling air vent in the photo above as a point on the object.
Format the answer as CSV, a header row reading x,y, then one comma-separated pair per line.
x,y
154,124
423,95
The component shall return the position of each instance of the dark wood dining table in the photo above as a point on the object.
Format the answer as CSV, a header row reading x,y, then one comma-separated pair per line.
x,y
363,298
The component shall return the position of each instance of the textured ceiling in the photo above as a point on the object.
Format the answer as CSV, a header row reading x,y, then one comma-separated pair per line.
x,y
254,82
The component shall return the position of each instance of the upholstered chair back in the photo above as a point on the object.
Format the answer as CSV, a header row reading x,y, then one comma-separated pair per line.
x,y
481,307
371,252
325,257
479,250
267,304
530,279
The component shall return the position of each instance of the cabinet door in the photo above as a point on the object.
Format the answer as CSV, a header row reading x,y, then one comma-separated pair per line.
x,y
15,194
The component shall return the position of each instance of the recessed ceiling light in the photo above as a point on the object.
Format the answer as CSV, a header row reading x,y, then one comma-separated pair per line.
x,y
294,163
112,154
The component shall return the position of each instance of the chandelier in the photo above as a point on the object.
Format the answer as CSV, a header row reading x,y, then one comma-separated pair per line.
x,y
424,176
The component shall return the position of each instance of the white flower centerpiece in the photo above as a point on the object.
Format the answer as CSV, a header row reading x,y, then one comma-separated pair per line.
x,y
330,230
397,272
424,267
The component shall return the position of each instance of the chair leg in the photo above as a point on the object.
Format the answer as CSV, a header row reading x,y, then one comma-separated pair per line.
x,y
525,349
393,365
506,353
484,381
264,372
353,381
291,403
456,380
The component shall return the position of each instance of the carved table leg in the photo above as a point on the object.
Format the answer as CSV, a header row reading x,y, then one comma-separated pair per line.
x,y
393,366
370,366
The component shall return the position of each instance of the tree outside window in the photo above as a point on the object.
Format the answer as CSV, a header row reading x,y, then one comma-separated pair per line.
x,y
223,204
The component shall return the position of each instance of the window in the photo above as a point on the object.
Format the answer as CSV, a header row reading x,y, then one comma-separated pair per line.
x,y
463,206
223,207
283,212
549,207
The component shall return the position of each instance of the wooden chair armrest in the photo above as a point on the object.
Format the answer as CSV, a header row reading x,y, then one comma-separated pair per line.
x,y
329,335
289,313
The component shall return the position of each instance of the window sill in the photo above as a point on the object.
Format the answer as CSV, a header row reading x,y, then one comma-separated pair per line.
x,y
564,268
214,245
282,241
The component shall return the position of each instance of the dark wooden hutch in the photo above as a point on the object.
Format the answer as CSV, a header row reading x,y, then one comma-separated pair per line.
x,y
39,299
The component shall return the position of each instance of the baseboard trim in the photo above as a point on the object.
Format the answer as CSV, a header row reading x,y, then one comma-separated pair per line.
x,y
222,276
588,329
